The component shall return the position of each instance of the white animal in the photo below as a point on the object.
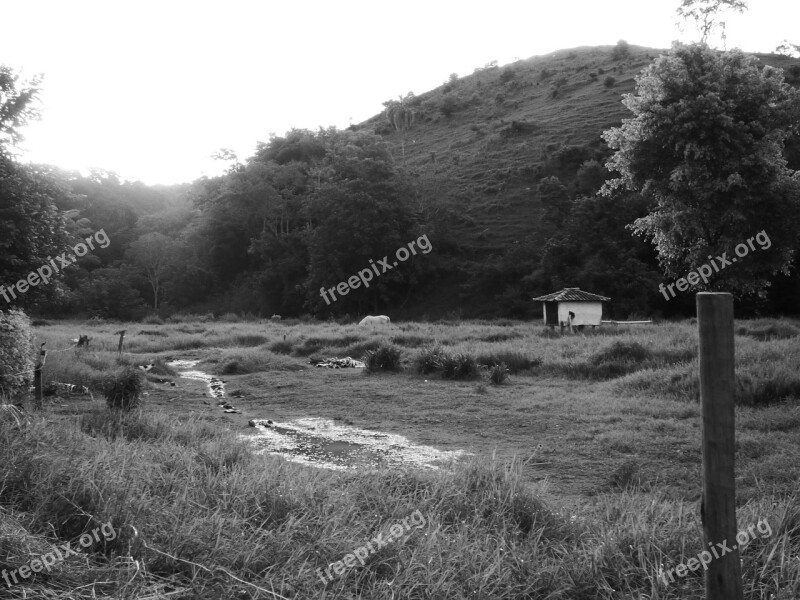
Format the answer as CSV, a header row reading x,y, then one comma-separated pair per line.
x,y
146,368
275,318
379,320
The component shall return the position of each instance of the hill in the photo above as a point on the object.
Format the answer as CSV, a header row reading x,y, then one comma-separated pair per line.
x,y
482,143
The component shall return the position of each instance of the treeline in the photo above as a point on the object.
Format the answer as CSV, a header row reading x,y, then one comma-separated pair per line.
x,y
307,211
311,209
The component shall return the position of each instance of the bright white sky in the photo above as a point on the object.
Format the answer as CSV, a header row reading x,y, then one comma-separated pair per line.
x,y
150,89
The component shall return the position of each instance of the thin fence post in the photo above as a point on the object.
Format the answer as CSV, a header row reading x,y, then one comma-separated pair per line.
x,y
717,387
121,337
37,378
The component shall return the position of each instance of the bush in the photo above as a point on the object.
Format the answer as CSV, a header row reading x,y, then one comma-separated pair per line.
x,y
153,320
621,50
123,389
593,76
459,366
449,105
360,349
609,81
385,358
428,360
508,74
498,374
16,351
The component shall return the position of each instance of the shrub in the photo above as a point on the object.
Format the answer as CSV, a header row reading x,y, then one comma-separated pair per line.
x,y
16,350
507,75
359,349
449,105
601,71
609,81
153,320
621,50
459,366
428,360
498,374
123,389
593,76
385,358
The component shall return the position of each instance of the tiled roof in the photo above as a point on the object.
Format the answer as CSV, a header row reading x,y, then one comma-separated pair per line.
x,y
571,295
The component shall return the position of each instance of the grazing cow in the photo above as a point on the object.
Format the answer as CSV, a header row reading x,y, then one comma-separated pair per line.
x,y
379,320
275,318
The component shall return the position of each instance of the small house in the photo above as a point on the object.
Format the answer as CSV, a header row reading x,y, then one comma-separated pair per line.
x,y
587,307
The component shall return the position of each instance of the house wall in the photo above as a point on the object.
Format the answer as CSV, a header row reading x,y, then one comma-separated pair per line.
x,y
586,313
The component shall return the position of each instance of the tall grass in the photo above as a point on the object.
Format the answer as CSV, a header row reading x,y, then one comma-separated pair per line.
x,y
195,508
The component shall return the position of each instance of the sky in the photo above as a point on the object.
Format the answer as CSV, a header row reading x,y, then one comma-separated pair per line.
x,y
151,89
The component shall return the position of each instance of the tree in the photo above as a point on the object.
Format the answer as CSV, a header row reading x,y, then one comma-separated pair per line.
x,y
706,14
705,146
16,107
401,116
153,253
361,213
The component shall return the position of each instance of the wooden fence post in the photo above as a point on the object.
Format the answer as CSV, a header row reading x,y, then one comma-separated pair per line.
x,y
121,337
37,378
717,388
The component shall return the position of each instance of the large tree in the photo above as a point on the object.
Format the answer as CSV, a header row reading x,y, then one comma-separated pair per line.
x,y
31,227
705,145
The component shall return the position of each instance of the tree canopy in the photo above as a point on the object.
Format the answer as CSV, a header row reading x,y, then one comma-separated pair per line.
x,y
705,145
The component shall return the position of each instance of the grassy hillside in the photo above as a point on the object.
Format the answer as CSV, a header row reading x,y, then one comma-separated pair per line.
x,y
483,142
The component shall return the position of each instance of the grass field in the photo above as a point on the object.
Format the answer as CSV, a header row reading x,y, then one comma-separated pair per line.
x,y
583,478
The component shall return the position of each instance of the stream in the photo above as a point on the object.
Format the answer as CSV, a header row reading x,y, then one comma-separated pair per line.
x,y
322,443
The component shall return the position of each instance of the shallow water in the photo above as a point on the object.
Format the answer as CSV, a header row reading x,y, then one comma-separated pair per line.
x,y
216,388
322,443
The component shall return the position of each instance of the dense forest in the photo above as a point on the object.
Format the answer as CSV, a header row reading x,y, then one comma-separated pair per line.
x,y
499,169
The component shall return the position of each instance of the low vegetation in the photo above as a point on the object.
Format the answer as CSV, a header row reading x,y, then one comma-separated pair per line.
x,y
205,517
